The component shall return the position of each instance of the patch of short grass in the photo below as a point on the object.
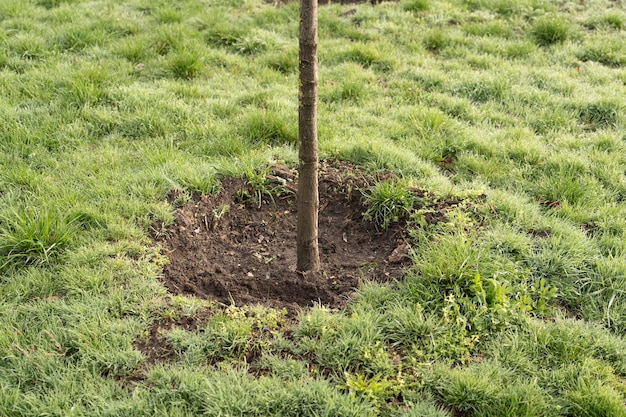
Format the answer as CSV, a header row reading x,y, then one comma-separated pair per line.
x,y
602,113
612,20
606,52
234,392
436,40
268,127
417,5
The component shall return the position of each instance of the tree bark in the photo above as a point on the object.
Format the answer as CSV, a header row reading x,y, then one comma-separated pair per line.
x,y
308,258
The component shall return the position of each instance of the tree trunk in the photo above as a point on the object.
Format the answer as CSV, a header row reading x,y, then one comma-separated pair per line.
x,y
308,195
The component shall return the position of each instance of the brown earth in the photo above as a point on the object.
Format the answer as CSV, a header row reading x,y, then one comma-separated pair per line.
x,y
229,248
327,2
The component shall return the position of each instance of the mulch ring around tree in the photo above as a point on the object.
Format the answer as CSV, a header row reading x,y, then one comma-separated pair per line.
x,y
236,248
327,2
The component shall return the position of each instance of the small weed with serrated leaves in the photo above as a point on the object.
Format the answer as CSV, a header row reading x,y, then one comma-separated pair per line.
x,y
260,186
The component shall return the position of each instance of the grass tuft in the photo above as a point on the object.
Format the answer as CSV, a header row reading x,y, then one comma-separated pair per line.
x,y
136,50
33,237
601,114
223,33
609,52
284,61
548,31
387,202
369,57
185,64
611,20
269,127
417,5
436,40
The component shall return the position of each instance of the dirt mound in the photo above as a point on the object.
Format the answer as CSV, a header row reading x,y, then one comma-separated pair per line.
x,y
229,248
327,2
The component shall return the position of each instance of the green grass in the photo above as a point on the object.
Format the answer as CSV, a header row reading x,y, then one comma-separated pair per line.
x,y
549,30
31,237
108,105
387,202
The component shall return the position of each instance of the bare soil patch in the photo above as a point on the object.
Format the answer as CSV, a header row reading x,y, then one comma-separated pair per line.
x,y
327,2
234,250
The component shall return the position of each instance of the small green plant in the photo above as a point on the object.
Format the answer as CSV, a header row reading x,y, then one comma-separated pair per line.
x,y
261,186
601,113
223,33
550,30
256,43
134,50
486,89
614,20
269,127
609,52
49,4
229,335
519,49
611,20
436,40
166,40
497,28
251,45
185,64
542,294
286,368
369,57
430,124
220,211
417,5
375,389
181,198
502,7
387,202
86,87
285,61
168,16
348,91
76,38
200,183
31,237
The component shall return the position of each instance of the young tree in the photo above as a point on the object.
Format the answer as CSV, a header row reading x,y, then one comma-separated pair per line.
x,y
308,258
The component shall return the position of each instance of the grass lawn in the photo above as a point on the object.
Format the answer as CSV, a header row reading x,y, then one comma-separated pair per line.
x,y
514,306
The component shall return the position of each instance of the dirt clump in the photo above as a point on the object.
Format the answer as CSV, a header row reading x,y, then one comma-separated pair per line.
x,y
238,246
